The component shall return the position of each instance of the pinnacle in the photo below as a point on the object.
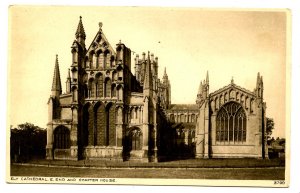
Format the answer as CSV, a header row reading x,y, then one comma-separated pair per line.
x,y
207,78
200,88
80,29
258,80
69,76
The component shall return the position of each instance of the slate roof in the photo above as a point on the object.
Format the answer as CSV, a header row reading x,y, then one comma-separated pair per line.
x,y
184,107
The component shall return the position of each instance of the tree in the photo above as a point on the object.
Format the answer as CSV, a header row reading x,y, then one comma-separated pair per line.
x,y
27,141
270,127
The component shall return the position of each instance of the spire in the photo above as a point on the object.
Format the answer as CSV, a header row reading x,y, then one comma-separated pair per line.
x,y
148,75
56,84
165,72
80,30
207,79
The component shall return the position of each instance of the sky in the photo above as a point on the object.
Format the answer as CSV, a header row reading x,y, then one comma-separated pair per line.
x,y
187,41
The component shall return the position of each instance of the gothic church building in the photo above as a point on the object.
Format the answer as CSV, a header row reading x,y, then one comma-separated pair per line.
x,y
107,112
232,121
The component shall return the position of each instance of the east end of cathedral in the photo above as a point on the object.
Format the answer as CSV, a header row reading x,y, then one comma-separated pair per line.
x,y
107,112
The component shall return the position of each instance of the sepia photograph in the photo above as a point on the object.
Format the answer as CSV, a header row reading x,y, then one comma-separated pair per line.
x,y
148,96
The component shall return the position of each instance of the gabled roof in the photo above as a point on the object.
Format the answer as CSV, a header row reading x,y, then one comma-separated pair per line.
x,y
231,86
101,40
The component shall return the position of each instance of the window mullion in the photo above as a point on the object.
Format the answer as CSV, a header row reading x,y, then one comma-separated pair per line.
x,y
233,128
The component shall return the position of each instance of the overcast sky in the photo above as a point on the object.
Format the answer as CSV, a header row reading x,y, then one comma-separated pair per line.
x,y
188,42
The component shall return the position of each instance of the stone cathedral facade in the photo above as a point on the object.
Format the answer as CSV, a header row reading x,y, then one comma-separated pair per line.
x,y
232,121
107,112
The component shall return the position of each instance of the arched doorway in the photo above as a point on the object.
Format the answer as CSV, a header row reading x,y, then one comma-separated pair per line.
x,y
133,144
61,138
136,139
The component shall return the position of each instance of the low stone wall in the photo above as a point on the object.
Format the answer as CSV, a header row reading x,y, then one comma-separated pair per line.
x,y
234,151
102,152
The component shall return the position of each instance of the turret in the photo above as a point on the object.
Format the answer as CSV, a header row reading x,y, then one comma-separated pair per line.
x,y
56,83
53,108
203,91
156,66
78,53
78,49
259,86
153,65
148,82
123,54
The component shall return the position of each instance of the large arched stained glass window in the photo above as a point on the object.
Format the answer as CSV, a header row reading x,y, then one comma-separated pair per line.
x,y
231,123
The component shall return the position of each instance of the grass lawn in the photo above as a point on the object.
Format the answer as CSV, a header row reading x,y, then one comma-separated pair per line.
x,y
195,173
185,163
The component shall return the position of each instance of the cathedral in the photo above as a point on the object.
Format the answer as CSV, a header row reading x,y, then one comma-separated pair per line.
x,y
107,112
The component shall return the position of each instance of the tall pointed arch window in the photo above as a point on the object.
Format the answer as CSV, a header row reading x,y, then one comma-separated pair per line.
x,y
114,90
99,85
107,87
91,87
231,123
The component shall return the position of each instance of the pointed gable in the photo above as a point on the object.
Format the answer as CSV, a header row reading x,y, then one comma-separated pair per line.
x,y
100,43
229,89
